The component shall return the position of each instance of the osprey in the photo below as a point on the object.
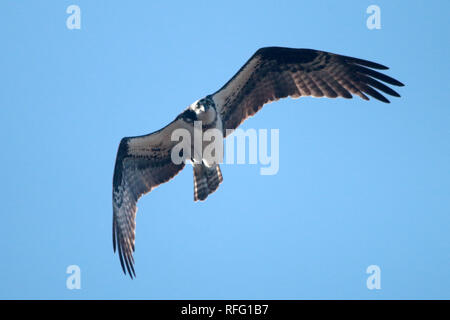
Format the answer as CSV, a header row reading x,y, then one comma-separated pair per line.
x,y
144,162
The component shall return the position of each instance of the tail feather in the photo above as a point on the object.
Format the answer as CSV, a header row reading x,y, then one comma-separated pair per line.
x,y
206,180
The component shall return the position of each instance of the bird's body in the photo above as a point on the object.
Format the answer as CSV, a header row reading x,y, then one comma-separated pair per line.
x,y
272,73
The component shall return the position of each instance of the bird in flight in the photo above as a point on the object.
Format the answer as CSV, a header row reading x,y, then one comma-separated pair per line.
x,y
272,73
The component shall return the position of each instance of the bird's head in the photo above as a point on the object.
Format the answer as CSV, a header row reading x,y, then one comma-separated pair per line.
x,y
204,109
199,107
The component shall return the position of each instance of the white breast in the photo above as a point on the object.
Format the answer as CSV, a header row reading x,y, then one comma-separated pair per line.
x,y
208,116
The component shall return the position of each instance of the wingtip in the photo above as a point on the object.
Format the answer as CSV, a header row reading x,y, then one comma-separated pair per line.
x,y
366,63
383,99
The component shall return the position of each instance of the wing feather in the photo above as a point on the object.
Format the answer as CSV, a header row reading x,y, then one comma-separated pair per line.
x,y
142,163
273,73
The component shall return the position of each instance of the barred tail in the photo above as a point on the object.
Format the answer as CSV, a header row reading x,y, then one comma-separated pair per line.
x,y
206,180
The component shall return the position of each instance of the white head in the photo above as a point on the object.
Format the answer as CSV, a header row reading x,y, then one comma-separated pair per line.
x,y
205,110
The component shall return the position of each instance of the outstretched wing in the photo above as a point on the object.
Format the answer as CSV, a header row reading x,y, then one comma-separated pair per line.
x,y
142,163
276,72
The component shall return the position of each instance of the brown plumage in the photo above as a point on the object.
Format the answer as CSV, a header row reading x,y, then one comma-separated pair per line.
x,y
206,180
272,73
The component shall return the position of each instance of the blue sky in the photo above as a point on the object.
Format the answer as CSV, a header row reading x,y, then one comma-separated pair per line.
x,y
360,183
